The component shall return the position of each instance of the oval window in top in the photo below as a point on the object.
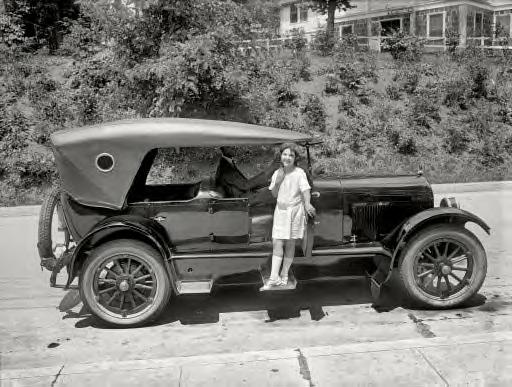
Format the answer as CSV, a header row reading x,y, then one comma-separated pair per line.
x,y
105,162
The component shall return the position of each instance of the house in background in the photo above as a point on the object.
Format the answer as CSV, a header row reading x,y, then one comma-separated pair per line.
x,y
482,22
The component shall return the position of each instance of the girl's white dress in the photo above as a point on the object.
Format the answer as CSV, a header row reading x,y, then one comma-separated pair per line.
x,y
290,215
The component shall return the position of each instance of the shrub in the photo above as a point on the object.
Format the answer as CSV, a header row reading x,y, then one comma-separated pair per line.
x,y
347,104
361,134
289,118
324,43
297,42
452,41
39,86
403,138
332,85
457,139
456,93
404,47
408,78
425,107
479,74
314,111
363,95
393,92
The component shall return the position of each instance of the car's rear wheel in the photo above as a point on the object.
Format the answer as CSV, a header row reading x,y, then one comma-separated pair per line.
x,y
124,283
443,266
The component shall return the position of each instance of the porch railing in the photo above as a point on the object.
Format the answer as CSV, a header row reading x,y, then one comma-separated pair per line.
x,y
373,42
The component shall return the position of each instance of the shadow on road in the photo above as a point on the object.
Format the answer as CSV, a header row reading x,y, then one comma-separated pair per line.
x,y
280,305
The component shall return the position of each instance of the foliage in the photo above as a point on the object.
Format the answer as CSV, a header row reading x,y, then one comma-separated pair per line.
x,y
393,92
404,47
352,68
297,42
425,107
324,42
45,21
456,94
452,41
347,104
329,7
126,64
314,112
408,78
479,75
12,37
361,134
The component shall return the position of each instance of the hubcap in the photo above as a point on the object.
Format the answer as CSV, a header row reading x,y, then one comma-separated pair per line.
x,y
443,268
124,286
446,269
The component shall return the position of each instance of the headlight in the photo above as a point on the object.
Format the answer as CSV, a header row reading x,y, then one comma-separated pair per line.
x,y
449,202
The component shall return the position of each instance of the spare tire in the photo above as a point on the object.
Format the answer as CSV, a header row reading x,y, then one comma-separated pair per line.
x,y
49,223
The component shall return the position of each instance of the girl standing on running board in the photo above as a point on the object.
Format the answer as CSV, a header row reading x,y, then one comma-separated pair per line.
x,y
290,185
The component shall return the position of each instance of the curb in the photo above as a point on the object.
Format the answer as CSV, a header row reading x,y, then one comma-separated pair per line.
x,y
19,211
257,356
484,186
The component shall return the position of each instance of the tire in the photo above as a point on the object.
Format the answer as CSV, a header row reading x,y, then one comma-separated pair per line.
x,y
45,244
433,262
119,265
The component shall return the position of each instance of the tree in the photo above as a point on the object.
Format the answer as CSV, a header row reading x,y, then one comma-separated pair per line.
x,y
43,20
329,7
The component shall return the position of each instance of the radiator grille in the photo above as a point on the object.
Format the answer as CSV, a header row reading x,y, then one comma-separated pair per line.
x,y
367,217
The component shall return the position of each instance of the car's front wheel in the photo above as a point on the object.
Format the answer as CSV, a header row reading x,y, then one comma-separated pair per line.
x,y
443,266
125,283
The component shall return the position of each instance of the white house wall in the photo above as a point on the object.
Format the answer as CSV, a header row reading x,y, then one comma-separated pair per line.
x,y
312,24
376,8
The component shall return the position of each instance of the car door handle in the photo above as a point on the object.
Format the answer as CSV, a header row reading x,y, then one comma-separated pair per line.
x,y
315,194
158,218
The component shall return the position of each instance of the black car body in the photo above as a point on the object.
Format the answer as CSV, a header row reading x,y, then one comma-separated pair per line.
x,y
131,244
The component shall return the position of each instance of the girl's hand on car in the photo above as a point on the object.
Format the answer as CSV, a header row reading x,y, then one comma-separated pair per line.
x,y
310,210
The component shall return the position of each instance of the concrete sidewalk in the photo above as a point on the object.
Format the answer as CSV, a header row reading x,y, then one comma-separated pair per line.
x,y
484,359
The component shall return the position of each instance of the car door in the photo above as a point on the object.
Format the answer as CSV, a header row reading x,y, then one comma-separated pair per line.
x,y
326,229
187,223
229,223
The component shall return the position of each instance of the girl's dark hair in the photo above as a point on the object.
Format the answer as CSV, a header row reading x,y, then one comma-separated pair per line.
x,y
293,147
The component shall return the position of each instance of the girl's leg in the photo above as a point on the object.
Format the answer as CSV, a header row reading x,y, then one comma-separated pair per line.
x,y
277,258
289,253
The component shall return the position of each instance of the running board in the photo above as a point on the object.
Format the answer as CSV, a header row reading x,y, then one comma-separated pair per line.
x,y
194,287
265,275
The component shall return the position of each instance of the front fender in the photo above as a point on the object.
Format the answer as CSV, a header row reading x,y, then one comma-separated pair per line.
x,y
135,226
449,215
436,215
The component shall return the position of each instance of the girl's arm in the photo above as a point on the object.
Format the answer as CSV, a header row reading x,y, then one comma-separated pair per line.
x,y
277,179
305,189
306,196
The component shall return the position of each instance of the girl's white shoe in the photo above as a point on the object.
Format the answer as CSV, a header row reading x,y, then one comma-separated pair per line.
x,y
272,283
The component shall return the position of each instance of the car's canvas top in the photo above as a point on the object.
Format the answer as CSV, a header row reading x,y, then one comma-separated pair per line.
x,y
128,141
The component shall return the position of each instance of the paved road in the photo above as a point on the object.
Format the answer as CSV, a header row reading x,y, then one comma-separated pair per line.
x,y
34,333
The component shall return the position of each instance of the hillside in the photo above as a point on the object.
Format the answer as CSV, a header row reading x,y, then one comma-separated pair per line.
x,y
449,115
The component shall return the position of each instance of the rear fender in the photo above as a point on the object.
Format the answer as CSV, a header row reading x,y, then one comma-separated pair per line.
x,y
120,227
416,223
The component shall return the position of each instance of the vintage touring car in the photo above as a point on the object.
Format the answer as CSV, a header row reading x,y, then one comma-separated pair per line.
x,y
132,244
